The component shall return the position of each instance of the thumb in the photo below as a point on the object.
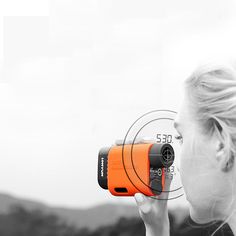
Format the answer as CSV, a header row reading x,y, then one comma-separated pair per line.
x,y
143,203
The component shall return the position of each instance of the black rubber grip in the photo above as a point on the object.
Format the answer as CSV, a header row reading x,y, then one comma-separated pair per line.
x,y
102,167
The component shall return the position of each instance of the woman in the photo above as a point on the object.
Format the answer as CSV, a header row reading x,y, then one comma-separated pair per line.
x,y
206,124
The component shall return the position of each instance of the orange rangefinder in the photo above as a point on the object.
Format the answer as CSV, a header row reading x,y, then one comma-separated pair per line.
x,y
128,169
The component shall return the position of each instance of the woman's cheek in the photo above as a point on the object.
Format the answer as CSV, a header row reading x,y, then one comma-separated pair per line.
x,y
185,169
193,182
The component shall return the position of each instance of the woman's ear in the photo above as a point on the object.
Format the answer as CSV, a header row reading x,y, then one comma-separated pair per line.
x,y
224,160
220,151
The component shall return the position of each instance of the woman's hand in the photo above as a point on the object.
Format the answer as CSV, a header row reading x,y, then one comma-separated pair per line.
x,y
153,212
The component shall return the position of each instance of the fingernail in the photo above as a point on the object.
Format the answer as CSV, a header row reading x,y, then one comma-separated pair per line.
x,y
139,198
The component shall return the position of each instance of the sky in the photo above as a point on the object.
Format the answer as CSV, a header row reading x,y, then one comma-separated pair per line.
x,y
74,75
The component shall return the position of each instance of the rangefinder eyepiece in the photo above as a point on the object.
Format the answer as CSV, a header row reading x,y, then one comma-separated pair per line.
x,y
127,169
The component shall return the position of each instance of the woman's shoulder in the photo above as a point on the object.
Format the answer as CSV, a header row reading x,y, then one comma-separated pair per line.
x,y
189,227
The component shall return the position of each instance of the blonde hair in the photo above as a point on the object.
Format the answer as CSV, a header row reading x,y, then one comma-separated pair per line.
x,y
212,93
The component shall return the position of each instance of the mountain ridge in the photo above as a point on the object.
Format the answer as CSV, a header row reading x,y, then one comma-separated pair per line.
x,y
91,217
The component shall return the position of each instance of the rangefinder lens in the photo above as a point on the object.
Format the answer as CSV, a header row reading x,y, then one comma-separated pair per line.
x,y
161,155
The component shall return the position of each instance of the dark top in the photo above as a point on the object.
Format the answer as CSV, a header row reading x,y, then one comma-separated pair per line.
x,y
190,228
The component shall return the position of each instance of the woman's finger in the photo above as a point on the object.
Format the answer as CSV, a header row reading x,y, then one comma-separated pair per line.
x,y
147,140
119,142
144,203
166,190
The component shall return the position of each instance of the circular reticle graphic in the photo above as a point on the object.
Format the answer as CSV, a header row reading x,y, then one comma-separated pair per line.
x,y
156,127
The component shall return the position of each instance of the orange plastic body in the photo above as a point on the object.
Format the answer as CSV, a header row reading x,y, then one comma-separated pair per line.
x,y
122,174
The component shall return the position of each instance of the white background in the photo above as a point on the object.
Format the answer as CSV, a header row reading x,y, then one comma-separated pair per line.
x,y
74,75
